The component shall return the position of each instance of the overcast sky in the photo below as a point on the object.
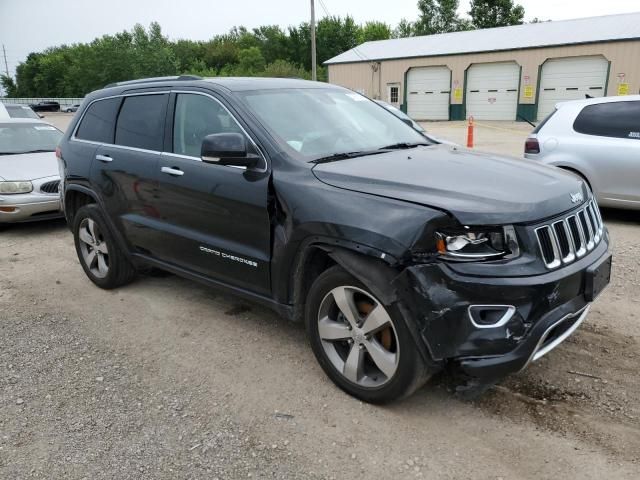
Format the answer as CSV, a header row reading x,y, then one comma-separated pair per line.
x,y
32,25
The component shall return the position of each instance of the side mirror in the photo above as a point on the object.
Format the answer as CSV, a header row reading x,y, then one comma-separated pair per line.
x,y
227,149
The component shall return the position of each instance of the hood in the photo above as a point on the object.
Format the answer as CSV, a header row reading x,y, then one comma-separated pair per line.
x,y
28,166
476,188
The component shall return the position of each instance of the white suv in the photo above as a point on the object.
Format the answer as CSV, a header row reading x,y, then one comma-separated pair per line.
x,y
598,139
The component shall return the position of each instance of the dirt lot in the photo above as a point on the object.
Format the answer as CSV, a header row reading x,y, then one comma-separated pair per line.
x,y
168,379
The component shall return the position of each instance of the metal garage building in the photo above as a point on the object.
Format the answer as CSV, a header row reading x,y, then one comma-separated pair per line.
x,y
505,73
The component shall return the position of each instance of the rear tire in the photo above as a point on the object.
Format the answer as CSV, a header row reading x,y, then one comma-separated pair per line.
x,y
369,353
102,260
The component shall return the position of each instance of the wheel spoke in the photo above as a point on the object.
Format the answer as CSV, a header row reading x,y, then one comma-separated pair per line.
x,y
330,330
91,225
102,264
102,248
377,318
384,360
91,258
353,364
344,299
85,236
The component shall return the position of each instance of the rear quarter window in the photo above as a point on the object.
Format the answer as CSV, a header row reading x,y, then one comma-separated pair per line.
x,y
141,122
97,124
614,119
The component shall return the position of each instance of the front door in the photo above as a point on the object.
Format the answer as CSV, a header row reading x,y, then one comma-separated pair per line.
x,y
213,219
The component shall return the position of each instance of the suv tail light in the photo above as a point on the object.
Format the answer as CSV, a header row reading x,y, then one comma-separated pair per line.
x,y
531,145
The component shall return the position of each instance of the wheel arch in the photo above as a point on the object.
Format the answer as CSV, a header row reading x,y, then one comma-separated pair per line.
x,y
75,197
372,270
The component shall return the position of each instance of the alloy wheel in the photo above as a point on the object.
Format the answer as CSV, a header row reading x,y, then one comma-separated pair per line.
x,y
95,253
358,336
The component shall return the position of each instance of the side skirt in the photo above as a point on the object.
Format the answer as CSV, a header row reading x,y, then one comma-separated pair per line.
x,y
280,308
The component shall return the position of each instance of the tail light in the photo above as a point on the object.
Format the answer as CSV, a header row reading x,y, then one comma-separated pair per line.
x,y
531,145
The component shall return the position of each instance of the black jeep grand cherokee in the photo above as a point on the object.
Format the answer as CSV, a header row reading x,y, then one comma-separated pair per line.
x,y
401,256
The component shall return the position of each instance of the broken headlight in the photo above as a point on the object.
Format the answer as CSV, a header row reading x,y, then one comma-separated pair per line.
x,y
472,243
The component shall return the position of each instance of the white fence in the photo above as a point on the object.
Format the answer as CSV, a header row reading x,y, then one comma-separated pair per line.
x,y
28,101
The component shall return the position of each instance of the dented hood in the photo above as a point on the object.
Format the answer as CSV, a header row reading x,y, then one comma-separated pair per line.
x,y
476,188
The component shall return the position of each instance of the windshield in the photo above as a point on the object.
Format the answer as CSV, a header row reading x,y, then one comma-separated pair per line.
x,y
316,123
19,111
28,137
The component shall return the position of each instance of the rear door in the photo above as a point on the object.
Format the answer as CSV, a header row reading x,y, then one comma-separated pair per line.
x,y
609,137
213,219
124,168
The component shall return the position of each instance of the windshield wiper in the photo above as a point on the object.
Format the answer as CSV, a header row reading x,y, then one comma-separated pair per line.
x,y
343,156
403,145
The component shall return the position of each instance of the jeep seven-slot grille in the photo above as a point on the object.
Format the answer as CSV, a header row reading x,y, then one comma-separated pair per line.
x,y
571,237
50,187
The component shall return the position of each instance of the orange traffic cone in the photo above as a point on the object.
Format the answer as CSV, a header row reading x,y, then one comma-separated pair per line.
x,y
470,133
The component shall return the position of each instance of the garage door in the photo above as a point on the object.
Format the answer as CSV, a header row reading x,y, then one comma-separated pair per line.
x,y
428,90
492,90
564,79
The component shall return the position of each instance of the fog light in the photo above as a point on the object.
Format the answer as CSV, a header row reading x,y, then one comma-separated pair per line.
x,y
490,316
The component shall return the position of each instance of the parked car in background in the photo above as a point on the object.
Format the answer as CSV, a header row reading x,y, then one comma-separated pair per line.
x,y
599,140
46,106
70,108
29,176
15,110
411,122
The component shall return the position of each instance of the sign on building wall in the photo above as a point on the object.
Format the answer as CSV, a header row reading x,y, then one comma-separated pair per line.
x,y
528,91
457,94
623,89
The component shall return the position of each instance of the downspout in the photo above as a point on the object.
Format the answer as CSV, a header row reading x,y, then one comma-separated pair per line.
x,y
379,80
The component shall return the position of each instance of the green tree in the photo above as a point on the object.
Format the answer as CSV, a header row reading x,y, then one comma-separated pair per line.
x,y
9,86
495,13
250,62
284,69
404,29
438,16
371,31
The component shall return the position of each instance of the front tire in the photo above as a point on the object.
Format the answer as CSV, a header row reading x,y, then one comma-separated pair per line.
x,y
363,345
101,258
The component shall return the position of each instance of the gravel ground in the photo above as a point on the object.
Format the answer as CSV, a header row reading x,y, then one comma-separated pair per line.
x,y
168,379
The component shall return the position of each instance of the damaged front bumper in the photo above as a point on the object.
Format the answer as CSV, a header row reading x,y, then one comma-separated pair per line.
x,y
527,316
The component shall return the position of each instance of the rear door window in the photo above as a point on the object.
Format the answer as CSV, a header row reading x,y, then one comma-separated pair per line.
x,y
141,122
98,122
614,119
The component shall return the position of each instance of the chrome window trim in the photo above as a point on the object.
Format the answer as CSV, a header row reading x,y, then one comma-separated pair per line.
x,y
84,112
74,138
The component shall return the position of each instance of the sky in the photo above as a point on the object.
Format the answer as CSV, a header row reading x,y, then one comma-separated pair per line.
x,y
32,25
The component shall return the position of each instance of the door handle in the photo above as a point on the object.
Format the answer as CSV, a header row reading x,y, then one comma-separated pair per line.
x,y
104,158
176,172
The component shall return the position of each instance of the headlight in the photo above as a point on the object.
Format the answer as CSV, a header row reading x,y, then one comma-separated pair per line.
x,y
8,188
478,243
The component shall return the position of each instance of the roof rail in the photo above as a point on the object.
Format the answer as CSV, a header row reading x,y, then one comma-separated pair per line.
x,y
154,79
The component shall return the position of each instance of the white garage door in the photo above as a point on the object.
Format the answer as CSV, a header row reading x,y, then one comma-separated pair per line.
x,y
492,91
428,90
569,79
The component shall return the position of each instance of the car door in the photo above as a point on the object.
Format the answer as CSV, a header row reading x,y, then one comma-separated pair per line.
x,y
610,143
213,218
124,169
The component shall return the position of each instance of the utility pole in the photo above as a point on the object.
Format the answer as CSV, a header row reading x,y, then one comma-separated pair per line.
x,y
6,67
313,41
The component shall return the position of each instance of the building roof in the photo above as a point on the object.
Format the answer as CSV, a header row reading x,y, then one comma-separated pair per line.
x,y
531,35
